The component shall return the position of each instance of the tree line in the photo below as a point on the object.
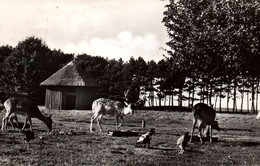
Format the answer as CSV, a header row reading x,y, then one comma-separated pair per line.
x,y
31,62
216,43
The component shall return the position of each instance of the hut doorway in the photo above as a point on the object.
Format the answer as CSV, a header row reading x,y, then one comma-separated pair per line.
x,y
71,101
70,98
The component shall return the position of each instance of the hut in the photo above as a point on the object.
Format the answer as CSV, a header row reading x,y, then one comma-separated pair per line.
x,y
70,88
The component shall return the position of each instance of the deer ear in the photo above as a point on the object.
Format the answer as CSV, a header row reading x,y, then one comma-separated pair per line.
x,y
126,103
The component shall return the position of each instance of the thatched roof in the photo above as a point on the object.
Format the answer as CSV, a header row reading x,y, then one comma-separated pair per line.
x,y
70,75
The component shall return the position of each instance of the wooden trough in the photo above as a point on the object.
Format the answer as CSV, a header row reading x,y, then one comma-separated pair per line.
x,y
122,133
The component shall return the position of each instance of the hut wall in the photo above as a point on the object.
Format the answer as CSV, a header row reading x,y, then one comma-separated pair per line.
x,y
53,98
85,97
70,97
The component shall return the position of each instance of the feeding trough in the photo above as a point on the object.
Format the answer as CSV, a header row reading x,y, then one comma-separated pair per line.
x,y
123,133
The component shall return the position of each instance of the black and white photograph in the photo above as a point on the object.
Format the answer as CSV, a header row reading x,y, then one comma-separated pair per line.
x,y
130,82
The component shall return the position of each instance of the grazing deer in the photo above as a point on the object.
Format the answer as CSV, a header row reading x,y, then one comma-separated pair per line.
x,y
204,115
25,107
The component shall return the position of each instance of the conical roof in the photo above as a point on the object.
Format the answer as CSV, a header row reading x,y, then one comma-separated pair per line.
x,y
70,75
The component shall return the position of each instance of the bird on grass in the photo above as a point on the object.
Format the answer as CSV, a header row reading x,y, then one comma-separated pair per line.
x,y
29,135
146,138
182,142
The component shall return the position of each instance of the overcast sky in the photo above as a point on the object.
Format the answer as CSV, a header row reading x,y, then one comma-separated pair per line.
x,y
108,28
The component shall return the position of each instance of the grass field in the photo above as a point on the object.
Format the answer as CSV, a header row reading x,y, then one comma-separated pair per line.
x,y
239,144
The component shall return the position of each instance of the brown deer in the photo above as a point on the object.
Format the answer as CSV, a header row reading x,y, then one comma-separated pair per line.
x,y
204,115
24,107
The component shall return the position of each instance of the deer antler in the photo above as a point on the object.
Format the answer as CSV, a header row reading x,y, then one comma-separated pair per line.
x,y
126,94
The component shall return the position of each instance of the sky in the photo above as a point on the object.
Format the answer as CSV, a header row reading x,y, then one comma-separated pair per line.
x,y
107,28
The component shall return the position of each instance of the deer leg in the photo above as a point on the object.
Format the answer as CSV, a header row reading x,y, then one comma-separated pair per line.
x,y
91,122
200,128
26,119
193,127
116,122
210,130
16,120
5,120
148,145
206,131
3,123
30,123
11,122
99,118
122,121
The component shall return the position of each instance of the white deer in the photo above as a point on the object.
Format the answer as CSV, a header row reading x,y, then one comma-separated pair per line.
x,y
24,107
204,116
102,106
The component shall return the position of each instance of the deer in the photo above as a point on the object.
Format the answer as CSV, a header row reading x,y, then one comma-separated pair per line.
x,y
204,115
104,106
24,107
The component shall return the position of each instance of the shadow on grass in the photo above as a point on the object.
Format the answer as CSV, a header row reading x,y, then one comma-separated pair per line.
x,y
170,134
240,143
162,148
85,133
236,129
249,143
176,151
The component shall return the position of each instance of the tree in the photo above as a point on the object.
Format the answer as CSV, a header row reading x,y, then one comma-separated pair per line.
x,y
30,63
21,67
96,67
5,51
215,40
114,80
151,80
134,76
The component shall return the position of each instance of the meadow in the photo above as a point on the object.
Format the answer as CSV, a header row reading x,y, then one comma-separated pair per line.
x,y
71,143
